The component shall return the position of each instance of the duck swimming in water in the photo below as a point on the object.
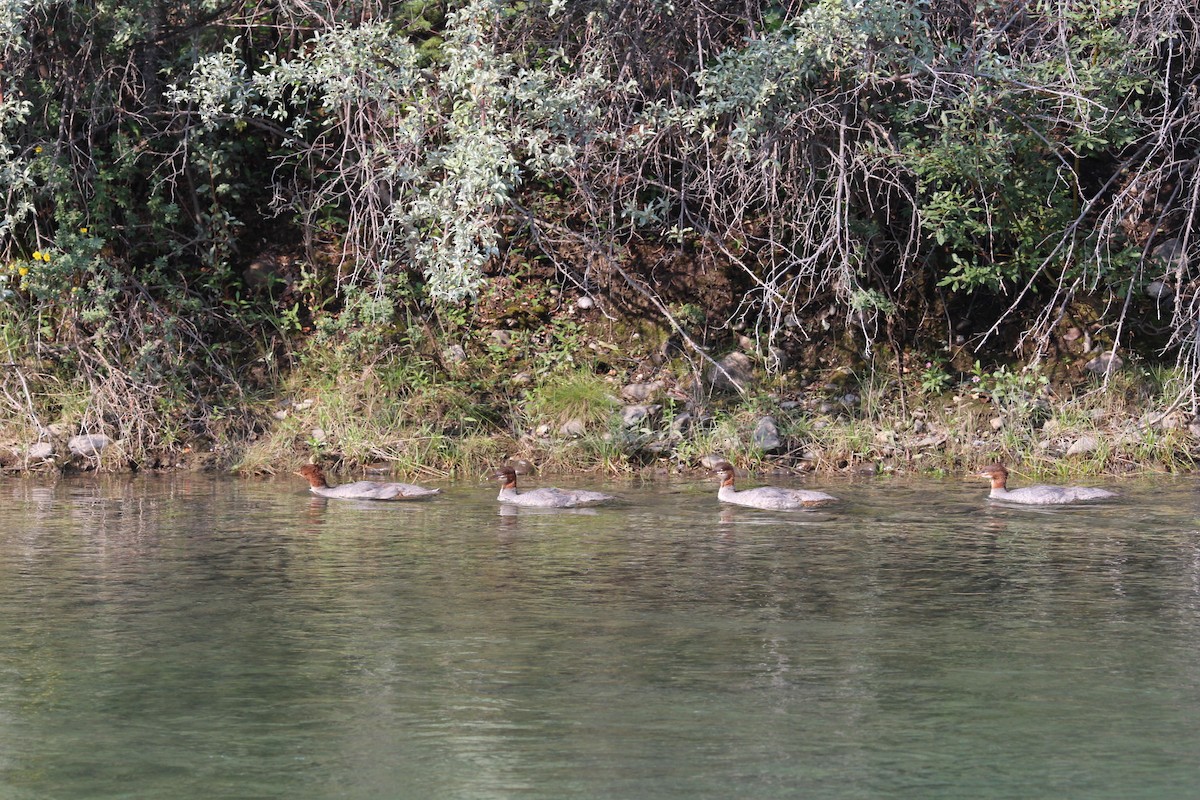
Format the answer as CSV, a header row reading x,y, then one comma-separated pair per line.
x,y
362,490
545,498
1038,495
769,497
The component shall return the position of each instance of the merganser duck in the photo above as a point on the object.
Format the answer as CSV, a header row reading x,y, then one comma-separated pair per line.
x,y
772,498
362,490
1038,495
548,497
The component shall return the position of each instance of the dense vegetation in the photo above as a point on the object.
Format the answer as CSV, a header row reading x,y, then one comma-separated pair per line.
x,y
211,206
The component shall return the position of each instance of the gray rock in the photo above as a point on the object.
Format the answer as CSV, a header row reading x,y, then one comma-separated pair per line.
x,y
1082,446
1175,421
1159,290
682,422
40,451
997,423
766,435
455,354
641,392
573,428
1169,253
633,416
88,445
711,460
1101,363
736,371
585,303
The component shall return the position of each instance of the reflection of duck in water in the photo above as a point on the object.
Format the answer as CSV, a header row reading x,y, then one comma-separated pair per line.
x,y
1038,495
362,490
545,498
769,497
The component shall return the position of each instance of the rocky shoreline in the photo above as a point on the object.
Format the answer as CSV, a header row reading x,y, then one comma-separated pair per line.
x,y
661,420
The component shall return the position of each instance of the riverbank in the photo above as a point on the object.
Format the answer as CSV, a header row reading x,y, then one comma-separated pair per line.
x,y
577,392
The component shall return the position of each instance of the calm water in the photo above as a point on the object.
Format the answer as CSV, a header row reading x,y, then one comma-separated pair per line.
x,y
187,637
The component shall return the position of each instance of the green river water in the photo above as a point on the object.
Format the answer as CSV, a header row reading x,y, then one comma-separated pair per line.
x,y
194,637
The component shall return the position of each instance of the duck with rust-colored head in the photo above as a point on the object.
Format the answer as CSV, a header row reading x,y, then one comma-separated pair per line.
x,y
772,498
548,497
1038,495
362,490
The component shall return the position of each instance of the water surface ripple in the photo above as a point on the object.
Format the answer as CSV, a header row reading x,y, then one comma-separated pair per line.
x,y
190,637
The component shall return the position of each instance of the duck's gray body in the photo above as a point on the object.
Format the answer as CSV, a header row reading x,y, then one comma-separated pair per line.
x,y
1050,495
371,490
362,490
548,497
1039,495
772,498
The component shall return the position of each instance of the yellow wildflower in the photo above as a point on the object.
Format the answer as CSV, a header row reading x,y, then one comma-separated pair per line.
x,y
83,230
37,149
23,271
46,257
37,255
